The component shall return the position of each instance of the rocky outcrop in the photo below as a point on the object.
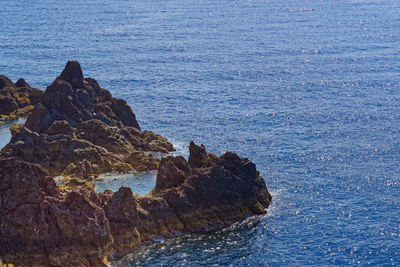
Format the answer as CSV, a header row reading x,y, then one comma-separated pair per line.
x,y
198,157
17,100
78,129
187,199
40,226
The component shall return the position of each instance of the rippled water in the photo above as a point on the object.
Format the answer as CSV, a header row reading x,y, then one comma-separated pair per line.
x,y
5,134
307,89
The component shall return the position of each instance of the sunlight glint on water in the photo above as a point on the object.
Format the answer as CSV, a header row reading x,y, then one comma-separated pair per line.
x,y
307,89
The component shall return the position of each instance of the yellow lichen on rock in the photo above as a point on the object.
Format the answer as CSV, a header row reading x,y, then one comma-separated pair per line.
x,y
15,128
26,111
22,98
17,99
74,183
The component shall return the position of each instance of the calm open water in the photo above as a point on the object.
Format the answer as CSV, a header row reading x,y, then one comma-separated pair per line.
x,y
308,90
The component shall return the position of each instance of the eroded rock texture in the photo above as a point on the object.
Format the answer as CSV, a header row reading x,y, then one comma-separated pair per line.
x,y
17,100
209,193
79,129
41,227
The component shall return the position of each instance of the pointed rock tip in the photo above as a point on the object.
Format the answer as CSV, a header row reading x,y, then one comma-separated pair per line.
x,y
193,146
72,73
197,154
5,82
21,83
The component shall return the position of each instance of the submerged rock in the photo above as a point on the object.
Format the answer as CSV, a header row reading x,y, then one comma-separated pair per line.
x,y
78,129
17,100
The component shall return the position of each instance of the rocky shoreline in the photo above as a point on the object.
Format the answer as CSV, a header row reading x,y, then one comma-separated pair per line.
x,y
78,130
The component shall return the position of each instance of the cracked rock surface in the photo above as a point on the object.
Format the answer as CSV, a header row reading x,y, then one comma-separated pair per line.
x,y
17,99
39,225
79,129
214,193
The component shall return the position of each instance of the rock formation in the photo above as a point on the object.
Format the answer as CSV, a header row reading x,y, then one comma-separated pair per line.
x,y
39,225
17,100
213,193
79,129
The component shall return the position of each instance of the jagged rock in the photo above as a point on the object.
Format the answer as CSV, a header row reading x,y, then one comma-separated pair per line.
x,y
73,74
8,105
41,227
198,157
79,129
25,95
142,162
187,199
17,100
171,172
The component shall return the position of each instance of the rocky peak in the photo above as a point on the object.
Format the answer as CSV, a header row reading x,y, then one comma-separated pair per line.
x,y
5,82
21,83
82,130
73,74
199,157
172,172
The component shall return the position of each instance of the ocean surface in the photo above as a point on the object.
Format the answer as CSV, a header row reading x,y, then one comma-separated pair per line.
x,y
307,89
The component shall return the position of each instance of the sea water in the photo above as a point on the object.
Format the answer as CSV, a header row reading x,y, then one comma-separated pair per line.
x,y
307,89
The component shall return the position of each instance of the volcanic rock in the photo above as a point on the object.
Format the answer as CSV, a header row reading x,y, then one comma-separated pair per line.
x,y
17,100
187,199
78,129
41,227
199,157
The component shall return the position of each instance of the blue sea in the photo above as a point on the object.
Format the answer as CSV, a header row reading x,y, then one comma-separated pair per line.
x,y
307,89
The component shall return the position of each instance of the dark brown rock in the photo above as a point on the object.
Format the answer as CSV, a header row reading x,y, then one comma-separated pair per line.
x,y
17,100
187,199
73,74
171,173
79,129
40,226
25,95
8,105
142,162
198,157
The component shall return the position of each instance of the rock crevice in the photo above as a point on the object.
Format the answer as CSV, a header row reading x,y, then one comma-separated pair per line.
x,y
78,129
17,99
